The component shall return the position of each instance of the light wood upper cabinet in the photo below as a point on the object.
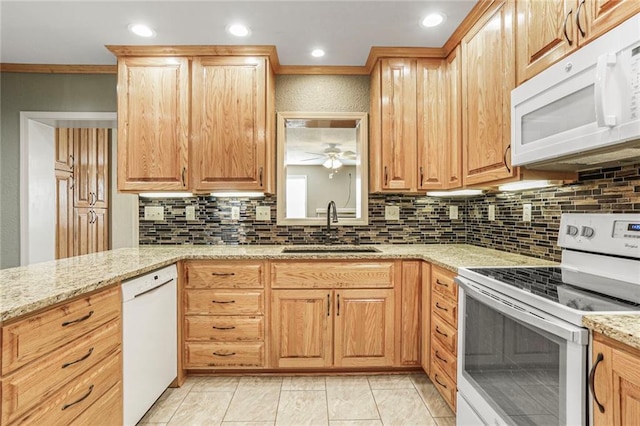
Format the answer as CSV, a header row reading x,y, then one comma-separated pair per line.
x,y
546,32
153,123
410,129
549,30
396,172
229,118
487,80
616,382
453,132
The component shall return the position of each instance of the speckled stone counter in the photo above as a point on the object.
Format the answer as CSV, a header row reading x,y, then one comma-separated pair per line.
x,y
623,328
29,288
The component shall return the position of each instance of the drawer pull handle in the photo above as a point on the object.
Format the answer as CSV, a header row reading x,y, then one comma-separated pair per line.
x,y
65,406
221,354
440,332
67,364
440,358
338,312
223,301
439,382
440,307
84,318
223,328
328,305
592,381
441,283
223,274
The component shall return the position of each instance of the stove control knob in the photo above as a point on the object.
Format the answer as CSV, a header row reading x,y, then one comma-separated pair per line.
x,y
587,232
572,230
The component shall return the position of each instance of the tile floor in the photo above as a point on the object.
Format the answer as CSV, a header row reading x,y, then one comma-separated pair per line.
x,y
409,399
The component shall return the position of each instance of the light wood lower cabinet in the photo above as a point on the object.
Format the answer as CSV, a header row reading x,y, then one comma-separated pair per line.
x,y
616,382
224,311
341,328
443,348
64,365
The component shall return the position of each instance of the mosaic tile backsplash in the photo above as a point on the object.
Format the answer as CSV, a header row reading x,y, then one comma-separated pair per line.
x,y
423,220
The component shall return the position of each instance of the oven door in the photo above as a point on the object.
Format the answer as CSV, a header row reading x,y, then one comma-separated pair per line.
x,y
518,365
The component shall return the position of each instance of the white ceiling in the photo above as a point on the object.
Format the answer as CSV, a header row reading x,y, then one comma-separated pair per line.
x,y
75,32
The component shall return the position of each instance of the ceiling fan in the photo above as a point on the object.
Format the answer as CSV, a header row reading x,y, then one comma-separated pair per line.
x,y
333,156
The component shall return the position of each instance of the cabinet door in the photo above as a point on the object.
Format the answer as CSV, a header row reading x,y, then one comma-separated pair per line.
x,y
91,230
101,169
364,328
153,124
453,136
398,125
432,104
409,318
84,173
228,123
546,32
487,81
302,322
602,15
425,318
64,214
64,149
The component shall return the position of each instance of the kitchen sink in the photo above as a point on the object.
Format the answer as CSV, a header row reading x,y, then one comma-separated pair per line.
x,y
330,249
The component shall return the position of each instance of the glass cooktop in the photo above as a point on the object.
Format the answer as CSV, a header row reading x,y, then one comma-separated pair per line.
x,y
547,283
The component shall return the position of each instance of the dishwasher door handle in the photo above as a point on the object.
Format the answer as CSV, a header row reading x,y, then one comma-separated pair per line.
x,y
153,288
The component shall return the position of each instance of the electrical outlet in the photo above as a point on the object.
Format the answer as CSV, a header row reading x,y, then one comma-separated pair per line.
x,y
392,213
492,212
526,212
453,212
235,213
263,213
154,213
190,212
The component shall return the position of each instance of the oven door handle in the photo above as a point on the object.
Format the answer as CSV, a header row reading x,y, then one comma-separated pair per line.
x,y
500,303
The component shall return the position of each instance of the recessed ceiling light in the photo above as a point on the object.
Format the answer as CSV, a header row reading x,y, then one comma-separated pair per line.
x,y
238,30
433,19
142,30
317,53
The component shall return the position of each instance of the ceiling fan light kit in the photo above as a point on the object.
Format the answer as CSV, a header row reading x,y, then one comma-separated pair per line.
x,y
332,163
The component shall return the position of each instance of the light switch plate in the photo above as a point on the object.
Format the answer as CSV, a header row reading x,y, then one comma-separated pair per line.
x,y
453,212
190,212
492,212
235,213
392,213
154,213
526,212
263,213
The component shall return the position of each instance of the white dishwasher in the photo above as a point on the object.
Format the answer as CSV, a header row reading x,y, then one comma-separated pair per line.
x,y
149,339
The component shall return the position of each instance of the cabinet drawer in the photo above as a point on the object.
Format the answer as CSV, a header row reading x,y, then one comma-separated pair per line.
x,y
76,396
207,274
442,282
39,334
444,333
224,302
334,274
223,328
445,359
108,409
223,354
445,385
27,387
445,308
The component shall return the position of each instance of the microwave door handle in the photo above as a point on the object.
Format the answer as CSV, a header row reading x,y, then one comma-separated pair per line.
x,y
602,70
567,332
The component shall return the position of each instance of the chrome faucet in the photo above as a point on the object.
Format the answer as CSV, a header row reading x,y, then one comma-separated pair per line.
x,y
332,216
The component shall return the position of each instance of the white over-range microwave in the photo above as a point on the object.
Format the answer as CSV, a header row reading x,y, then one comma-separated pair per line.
x,y
583,111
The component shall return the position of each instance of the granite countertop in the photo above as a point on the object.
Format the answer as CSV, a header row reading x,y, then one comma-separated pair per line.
x,y
28,288
623,328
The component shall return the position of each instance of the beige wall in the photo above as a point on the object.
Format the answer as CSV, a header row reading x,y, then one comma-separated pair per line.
x,y
322,93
